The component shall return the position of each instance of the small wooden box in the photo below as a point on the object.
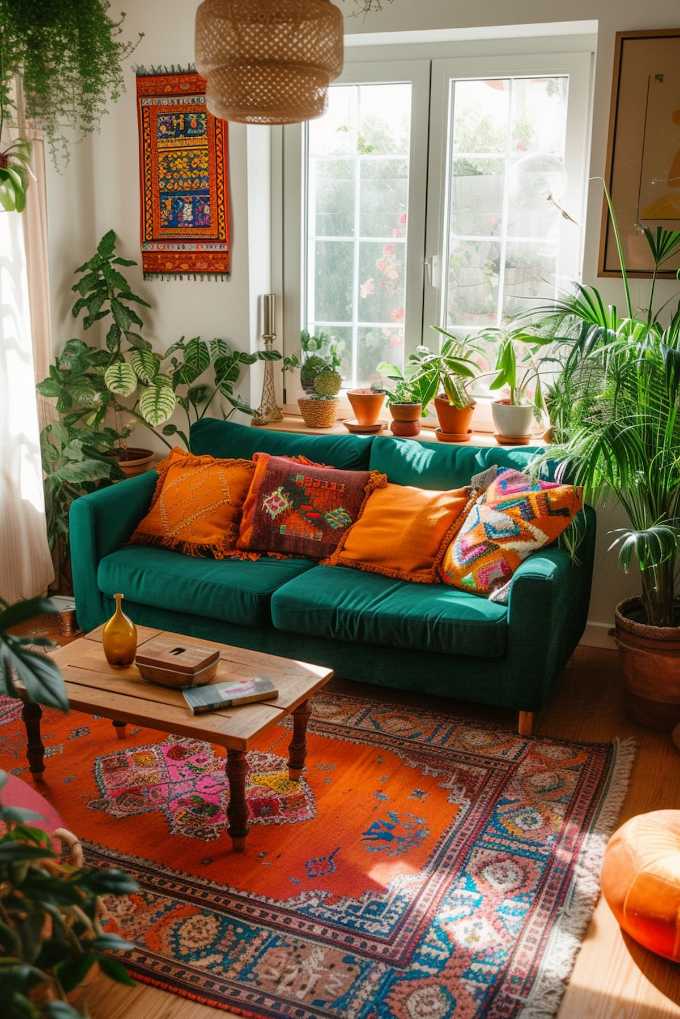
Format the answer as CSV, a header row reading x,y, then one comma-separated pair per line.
x,y
170,662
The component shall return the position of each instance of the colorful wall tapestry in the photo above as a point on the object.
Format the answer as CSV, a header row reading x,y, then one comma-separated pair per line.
x,y
184,178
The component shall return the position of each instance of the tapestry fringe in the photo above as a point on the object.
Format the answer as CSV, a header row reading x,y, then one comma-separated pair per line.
x,y
201,277
142,71
570,928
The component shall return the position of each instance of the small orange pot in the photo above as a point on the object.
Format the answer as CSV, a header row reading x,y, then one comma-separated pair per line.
x,y
454,420
134,461
367,406
406,418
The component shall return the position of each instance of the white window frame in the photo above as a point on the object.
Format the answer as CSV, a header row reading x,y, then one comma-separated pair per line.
x,y
296,191
429,68
576,66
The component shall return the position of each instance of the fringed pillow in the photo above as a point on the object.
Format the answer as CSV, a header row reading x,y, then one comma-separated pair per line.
x,y
197,505
516,516
295,507
403,532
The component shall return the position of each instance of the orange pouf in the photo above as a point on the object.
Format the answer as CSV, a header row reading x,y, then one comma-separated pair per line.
x,y
641,880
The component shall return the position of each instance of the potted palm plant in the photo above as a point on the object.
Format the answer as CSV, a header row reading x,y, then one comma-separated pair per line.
x,y
616,410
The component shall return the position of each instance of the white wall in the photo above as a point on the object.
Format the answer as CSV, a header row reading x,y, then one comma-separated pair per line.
x,y
100,188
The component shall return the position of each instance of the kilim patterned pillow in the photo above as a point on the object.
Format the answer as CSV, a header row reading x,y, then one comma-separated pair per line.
x,y
299,508
516,516
196,508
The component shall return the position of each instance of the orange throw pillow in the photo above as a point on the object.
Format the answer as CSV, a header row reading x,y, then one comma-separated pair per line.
x,y
403,532
197,505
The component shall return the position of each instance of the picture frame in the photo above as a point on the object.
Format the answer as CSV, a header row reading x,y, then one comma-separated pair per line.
x,y
643,151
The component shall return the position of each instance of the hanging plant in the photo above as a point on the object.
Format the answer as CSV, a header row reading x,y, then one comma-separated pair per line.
x,y
69,58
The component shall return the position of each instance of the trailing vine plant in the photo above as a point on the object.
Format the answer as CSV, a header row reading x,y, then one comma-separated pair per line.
x,y
69,58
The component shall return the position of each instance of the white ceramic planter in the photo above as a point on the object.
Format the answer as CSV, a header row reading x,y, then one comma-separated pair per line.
x,y
512,420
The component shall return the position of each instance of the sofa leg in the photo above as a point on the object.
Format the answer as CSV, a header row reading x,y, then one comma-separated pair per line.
x,y
525,723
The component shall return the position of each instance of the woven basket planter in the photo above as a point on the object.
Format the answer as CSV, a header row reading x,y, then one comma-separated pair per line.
x,y
318,413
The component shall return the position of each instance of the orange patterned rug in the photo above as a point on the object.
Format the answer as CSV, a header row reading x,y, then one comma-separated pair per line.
x,y
426,867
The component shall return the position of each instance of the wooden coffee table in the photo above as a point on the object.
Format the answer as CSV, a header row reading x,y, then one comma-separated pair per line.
x,y
122,695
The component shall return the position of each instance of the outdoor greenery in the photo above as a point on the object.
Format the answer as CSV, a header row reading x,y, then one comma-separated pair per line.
x,y
101,391
69,57
616,410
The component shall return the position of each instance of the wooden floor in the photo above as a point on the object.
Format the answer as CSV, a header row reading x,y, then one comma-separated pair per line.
x,y
613,977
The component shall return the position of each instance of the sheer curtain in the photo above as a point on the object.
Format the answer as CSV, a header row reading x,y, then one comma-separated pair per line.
x,y
25,562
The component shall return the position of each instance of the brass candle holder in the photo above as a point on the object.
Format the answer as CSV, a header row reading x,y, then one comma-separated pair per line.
x,y
269,409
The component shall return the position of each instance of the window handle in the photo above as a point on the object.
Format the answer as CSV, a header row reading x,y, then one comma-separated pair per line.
x,y
432,268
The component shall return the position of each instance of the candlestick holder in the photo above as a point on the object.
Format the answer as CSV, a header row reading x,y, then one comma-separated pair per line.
x,y
269,410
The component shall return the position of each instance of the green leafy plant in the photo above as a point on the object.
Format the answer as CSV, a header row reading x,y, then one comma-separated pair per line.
x,y
19,661
521,362
51,930
617,410
406,389
15,173
449,370
69,57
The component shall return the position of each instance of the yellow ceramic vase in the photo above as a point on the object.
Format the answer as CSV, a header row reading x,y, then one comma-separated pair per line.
x,y
119,638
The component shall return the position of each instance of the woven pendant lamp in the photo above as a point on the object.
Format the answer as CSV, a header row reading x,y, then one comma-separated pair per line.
x,y
268,61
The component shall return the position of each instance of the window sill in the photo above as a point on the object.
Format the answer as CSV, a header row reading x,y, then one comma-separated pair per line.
x,y
294,423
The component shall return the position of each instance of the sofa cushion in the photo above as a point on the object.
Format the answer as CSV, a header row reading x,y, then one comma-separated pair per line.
x,y
227,589
427,465
367,608
226,439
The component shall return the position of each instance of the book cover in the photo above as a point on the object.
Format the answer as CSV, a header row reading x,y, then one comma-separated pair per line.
x,y
229,695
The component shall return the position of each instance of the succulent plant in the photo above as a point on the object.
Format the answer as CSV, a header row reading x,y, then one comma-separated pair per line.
x,y
327,383
311,366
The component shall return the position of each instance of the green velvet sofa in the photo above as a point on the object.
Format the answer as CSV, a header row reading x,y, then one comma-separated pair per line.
x,y
369,628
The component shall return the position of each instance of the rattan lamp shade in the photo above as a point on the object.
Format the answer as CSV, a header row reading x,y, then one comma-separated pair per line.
x,y
268,61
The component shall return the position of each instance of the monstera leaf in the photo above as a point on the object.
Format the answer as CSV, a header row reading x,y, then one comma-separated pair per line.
x,y
157,403
145,364
120,378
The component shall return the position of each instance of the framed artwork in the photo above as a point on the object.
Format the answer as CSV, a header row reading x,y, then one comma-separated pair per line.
x,y
643,153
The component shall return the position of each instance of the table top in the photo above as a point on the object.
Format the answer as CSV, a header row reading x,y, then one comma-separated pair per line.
x,y
122,694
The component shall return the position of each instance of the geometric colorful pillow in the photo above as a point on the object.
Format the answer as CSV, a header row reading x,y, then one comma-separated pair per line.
x,y
197,504
516,516
403,532
299,508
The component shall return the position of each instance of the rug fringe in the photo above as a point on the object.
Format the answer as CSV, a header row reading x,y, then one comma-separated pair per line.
x,y
201,277
570,927
142,71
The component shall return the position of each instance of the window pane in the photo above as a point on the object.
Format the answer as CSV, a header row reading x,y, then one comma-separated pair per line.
x,y
333,269
381,282
383,197
473,279
507,178
334,197
358,187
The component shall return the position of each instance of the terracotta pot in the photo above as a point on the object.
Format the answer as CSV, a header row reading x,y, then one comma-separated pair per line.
x,y
454,421
651,667
318,413
406,418
134,461
367,406
510,420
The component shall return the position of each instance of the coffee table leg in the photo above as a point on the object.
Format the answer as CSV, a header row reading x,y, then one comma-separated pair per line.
x,y
297,750
35,751
120,729
237,811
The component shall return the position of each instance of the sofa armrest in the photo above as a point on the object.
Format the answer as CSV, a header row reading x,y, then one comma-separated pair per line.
x,y
99,523
547,612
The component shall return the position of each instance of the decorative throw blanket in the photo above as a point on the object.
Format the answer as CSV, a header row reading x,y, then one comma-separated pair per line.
x,y
184,178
